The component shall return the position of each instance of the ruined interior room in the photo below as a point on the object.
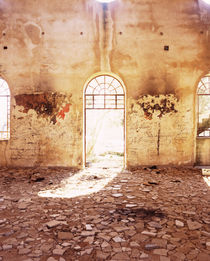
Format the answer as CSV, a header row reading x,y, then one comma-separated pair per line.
x,y
104,130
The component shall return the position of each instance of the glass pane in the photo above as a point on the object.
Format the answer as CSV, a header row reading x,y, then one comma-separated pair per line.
x,y
111,90
120,90
100,79
108,79
99,89
89,90
120,101
115,83
93,83
204,86
205,79
110,102
4,89
98,102
89,101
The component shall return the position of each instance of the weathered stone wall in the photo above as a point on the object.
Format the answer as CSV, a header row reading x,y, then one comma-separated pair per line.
x,y
49,48
160,131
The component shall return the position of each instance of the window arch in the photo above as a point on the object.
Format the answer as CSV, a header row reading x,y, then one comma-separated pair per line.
x,y
4,110
104,92
203,94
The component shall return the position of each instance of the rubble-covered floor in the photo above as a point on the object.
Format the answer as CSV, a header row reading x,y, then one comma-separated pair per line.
x,y
104,214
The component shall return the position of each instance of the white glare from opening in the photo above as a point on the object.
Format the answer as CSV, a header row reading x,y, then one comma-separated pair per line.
x,y
85,182
207,1
105,1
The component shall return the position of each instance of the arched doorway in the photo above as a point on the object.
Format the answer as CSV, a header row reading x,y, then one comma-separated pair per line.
x,y
104,121
4,110
203,122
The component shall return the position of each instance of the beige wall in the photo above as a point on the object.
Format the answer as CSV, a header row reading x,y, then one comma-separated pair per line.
x,y
54,46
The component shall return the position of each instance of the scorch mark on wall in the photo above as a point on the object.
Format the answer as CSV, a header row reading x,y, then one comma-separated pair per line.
x,y
160,104
47,105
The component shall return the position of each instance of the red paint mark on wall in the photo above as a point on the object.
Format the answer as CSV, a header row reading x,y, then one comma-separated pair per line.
x,y
61,113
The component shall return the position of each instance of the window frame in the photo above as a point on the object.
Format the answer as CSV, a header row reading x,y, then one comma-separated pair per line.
x,y
5,94
202,91
104,92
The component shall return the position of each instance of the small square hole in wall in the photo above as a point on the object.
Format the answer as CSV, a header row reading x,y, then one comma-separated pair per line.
x,y
166,47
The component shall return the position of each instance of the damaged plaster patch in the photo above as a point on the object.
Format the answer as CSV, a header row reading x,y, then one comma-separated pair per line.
x,y
34,32
52,106
158,104
156,107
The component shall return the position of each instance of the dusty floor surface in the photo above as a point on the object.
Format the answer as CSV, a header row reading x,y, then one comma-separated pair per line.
x,y
104,214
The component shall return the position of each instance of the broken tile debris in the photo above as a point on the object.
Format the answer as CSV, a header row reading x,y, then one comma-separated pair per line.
x,y
179,223
169,222
193,225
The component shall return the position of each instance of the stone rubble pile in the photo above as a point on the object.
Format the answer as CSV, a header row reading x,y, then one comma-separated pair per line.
x,y
145,214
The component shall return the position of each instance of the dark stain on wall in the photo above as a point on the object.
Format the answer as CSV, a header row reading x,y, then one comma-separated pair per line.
x,y
46,105
158,140
2,71
147,26
105,9
204,55
156,84
163,106
33,33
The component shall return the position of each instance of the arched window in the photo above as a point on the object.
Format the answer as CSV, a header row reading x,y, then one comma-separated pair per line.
x,y
104,92
4,110
203,94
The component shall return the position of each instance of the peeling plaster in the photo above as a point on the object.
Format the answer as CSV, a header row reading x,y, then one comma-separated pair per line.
x,y
50,106
159,104
34,33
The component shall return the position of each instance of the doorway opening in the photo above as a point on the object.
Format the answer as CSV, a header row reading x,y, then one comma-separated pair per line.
x,y
104,122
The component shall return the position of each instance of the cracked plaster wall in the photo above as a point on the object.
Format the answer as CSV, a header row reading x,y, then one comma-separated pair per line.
x,y
49,49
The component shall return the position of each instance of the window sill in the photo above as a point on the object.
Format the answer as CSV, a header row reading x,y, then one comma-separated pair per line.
x,y
203,137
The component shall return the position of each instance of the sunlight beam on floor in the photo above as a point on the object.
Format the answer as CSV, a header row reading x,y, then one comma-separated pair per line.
x,y
85,182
